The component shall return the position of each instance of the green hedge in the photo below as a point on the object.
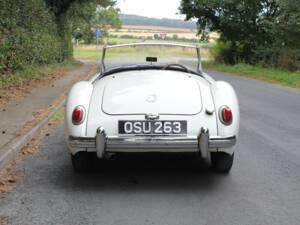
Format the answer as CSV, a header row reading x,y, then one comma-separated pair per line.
x,y
28,36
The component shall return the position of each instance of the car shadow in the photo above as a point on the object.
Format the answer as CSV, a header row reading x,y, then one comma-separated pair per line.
x,y
138,173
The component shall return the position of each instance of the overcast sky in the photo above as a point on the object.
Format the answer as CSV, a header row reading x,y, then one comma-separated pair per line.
x,y
151,8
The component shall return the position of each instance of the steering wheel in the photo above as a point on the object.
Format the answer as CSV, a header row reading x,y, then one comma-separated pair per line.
x,y
176,65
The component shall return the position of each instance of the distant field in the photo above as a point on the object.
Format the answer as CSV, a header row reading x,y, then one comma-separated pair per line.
x,y
89,52
156,28
140,34
151,34
136,40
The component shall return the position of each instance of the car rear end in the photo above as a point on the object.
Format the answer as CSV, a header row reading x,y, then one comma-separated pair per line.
x,y
167,112
160,106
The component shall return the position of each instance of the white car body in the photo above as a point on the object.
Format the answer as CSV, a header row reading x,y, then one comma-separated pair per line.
x,y
152,94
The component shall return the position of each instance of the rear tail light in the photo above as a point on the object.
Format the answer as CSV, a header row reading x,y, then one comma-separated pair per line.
x,y
78,115
226,115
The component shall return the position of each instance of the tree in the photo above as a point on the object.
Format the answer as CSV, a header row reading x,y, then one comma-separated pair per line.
x,y
156,36
28,36
243,25
287,31
93,17
106,18
79,20
60,9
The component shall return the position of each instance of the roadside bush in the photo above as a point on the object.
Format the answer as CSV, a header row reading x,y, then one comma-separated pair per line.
x,y
273,56
110,42
28,36
175,37
289,59
266,56
114,36
127,36
222,52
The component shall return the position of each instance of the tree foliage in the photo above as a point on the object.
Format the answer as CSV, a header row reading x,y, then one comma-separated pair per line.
x,y
60,8
107,17
252,30
28,35
286,29
38,32
79,19
99,17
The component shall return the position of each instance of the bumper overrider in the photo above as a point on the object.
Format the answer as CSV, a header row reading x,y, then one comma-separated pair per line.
x,y
103,144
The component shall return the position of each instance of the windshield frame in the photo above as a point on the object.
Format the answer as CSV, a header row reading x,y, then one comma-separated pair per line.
x,y
106,47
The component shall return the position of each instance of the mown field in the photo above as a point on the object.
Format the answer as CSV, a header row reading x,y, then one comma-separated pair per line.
x,y
136,40
90,52
190,35
129,36
115,37
151,34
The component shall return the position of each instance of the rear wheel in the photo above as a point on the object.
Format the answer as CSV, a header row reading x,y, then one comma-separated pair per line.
x,y
221,161
82,162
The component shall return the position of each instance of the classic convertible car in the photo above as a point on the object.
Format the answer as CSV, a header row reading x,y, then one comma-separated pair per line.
x,y
162,102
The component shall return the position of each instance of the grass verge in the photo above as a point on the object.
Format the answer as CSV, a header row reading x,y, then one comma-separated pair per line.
x,y
58,116
273,75
31,73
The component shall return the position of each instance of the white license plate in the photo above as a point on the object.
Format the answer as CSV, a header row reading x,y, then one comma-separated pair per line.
x,y
153,127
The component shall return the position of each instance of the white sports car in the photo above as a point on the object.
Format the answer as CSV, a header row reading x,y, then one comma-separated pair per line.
x,y
155,104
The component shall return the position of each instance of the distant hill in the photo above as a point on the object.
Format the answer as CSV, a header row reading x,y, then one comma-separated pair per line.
x,y
147,21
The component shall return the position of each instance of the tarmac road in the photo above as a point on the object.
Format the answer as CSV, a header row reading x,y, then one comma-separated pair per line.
x,y
262,188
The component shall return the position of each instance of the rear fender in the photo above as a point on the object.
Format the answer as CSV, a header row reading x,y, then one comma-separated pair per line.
x,y
224,95
80,95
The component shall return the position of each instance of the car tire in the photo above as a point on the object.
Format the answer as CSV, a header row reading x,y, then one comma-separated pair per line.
x,y
82,162
221,161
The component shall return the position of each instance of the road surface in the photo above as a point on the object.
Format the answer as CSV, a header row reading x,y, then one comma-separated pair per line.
x,y
263,187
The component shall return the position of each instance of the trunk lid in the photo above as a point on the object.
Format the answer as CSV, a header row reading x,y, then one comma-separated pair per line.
x,y
152,91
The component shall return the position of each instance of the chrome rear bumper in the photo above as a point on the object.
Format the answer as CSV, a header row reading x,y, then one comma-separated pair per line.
x,y
103,144
152,143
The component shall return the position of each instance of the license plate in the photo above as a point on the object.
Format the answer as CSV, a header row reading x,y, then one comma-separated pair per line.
x,y
153,127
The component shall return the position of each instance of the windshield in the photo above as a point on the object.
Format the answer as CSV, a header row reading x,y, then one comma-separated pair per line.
x,y
151,54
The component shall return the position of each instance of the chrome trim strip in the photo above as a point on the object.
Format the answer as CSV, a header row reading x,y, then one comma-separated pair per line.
x,y
106,47
151,44
199,66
